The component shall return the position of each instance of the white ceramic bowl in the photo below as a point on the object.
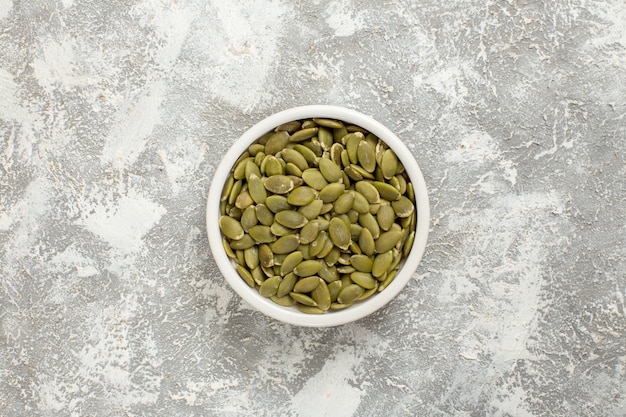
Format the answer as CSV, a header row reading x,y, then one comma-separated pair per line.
x,y
291,314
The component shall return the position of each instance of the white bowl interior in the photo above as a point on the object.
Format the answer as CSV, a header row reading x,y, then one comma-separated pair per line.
x,y
291,314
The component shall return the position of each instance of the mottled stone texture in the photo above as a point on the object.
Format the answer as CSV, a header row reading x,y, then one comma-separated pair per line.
x,y
114,115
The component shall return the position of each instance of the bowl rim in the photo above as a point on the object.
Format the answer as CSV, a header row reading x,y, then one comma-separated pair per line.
x,y
288,314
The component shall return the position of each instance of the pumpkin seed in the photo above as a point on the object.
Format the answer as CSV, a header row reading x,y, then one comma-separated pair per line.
x,y
314,178
279,184
368,221
248,218
339,306
252,169
339,233
368,191
362,263
362,172
279,230
291,219
332,191
403,207
276,142
385,216
289,127
350,293
266,256
344,202
332,256
303,299
325,138
285,301
406,249
286,285
277,203
389,164
351,141
318,244
290,262
312,210
243,200
309,232
261,234
304,134
387,281
264,215
293,170
361,204
294,157
258,275
330,170
285,244
352,173
256,189
321,295
244,243
310,309
301,196
272,166
305,285
367,242
369,293
333,124
328,273
269,287
251,256
245,274
307,269
387,240
227,188
366,156
231,228
364,279
387,191
307,153
381,264
333,289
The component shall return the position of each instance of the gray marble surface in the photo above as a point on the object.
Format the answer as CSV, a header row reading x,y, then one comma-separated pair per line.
x,y
114,115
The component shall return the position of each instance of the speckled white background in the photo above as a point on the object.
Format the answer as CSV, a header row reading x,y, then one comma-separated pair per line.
x,y
114,115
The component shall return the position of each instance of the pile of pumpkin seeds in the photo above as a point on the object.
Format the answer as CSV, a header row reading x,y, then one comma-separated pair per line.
x,y
318,214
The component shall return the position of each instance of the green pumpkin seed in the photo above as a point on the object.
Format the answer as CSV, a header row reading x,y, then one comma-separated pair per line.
x,y
228,249
389,164
318,244
354,248
347,269
261,234
406,249
331,192
252,169
279,184
361,205
307,154
312,210
264,215
339,233
304,134
339,133
289,127
277,142
326,208
290,262
326,249
333,289
240,258
240,168
321,295
351,141
333,124
291,219
305,285
362,263
244,200
387,240
368,191
352,173
328,273
322,222
285,301
325,138
244,243
277,203
301,196
335,153
293,171
286,285
368,221
362,172
294,157
369,293
231,228
266,256
251,256
272,166
307,269
403,207
309,232
355,231
385,216
279,230
387,191
332,256
256,189
364,279
381,264
366,242
314,178
310,309
235,213
258,275
387,281
303,299
285,244
410,192
248,218
304,249
339,306
227,188
350,293
269,287
245,274
366,156
344,202
331,171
